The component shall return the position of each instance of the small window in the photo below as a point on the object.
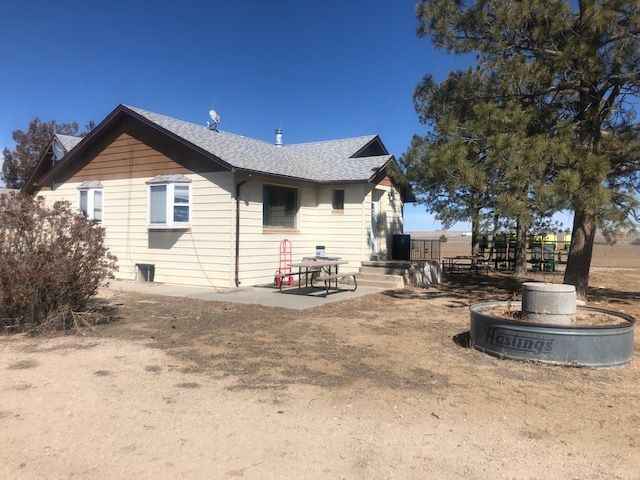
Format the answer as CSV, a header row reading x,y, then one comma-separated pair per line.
x,y
90,203
169,205
279,206
145,272
338,200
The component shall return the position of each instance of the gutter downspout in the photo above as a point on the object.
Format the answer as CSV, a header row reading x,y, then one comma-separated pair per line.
x,y
238,185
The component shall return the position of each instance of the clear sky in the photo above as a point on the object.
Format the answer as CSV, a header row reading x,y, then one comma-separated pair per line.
x,y
318,69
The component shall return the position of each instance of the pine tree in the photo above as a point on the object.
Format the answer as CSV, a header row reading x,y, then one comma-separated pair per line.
x,y
578,68
483,158
446,167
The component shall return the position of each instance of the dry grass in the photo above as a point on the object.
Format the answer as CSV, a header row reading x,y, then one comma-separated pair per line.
x,y
377,387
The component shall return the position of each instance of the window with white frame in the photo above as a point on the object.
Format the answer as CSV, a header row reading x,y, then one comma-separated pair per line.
x,y
169,203
90,200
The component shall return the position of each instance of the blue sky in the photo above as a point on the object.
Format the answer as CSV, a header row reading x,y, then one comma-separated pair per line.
x,y
319,70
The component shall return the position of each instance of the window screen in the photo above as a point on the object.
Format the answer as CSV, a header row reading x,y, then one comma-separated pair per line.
x,y
158,204
279,207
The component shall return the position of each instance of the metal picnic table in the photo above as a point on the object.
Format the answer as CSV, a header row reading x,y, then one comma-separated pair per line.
x,y
310,265
465,262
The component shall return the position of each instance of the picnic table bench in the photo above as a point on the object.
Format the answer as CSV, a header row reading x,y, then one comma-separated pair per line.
x,y
327,279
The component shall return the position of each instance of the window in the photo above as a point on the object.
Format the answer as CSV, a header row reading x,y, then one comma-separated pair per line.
x,y
338,200
84,202
158,204
279,206
90,202
181,203
169,205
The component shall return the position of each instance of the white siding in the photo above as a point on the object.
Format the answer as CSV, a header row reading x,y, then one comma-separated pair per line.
x,y
204,255
198,256
317,224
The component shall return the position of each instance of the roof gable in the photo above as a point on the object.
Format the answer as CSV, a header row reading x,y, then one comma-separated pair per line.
x,y
68,141
45,162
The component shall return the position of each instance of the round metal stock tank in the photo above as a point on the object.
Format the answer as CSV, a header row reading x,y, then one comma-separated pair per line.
x,y
572,345
553,303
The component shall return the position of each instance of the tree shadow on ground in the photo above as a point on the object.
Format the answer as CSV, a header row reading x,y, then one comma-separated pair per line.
x,y
610,295
338,345
471,288
263,348
467,287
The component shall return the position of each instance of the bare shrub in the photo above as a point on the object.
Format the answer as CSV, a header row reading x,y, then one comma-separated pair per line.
x,y
52,262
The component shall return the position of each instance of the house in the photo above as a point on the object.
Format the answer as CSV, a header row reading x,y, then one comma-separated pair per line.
x,y
188,204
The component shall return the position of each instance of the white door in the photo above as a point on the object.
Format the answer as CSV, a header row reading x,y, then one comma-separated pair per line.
x,y
376,195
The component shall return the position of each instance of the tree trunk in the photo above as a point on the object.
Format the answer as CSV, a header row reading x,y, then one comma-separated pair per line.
x,y
521,248
475,230
580,252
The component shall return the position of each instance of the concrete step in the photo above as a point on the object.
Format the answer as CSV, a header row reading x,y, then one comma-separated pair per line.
x,y
387,263
382,270
380,284
379,280
382,277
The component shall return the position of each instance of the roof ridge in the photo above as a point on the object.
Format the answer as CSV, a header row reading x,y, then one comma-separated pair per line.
x,y
136,109
65,135
372,136
331,140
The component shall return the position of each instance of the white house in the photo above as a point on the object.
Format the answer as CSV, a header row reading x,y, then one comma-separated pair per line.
x,y
210,208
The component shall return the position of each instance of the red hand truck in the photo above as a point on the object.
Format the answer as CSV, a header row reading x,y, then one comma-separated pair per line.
x,y
284,270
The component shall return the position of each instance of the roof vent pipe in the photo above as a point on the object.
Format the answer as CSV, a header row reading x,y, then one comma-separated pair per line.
x,y
278,137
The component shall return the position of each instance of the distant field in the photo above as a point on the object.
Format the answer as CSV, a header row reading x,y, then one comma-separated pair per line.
x,y
621,255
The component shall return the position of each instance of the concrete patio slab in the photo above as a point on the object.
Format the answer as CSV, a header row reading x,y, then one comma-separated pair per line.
x,y
292,298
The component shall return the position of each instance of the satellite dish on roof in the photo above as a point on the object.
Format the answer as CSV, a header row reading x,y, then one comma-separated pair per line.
x,y
215,120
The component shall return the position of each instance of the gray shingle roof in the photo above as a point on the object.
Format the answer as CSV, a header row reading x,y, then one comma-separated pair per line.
x,y
317,161
68,141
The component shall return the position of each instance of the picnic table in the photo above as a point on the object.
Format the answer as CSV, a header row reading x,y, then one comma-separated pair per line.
x,y
310,266
465,262
322,269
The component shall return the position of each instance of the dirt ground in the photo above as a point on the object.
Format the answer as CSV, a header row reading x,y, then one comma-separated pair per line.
x,y
376,387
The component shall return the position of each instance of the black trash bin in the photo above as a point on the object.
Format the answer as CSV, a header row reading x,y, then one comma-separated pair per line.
x,y
401,248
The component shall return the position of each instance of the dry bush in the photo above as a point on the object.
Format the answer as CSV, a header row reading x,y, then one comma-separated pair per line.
x,y
52,262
